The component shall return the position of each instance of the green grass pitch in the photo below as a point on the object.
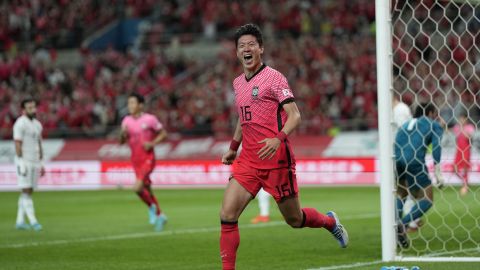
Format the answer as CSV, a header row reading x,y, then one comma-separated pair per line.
x,y
109,230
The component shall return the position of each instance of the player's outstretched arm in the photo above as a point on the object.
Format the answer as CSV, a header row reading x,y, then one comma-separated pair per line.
x,y
231,154
272,144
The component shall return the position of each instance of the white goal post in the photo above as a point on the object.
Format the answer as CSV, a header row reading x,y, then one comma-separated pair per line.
x,y
430,244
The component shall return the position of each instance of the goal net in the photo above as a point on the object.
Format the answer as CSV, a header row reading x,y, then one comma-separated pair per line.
x,y
435,59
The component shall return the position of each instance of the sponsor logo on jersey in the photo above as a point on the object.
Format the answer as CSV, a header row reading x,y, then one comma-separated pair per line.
x,y
286,92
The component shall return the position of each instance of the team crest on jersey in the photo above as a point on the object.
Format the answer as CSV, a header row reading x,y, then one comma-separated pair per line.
x,y
255,92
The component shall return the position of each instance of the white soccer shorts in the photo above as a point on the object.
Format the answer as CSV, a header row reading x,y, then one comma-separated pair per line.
x,y
28,174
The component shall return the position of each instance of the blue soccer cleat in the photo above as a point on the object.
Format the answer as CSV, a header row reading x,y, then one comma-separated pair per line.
x,y
160,222
339,232
152,214
22,226
37,227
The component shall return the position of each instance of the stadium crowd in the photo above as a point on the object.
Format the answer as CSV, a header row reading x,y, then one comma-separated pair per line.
x,y
62,23
437,57
325,48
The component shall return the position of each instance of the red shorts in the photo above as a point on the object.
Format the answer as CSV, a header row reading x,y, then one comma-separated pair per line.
x,y
462,160
143,170
280,183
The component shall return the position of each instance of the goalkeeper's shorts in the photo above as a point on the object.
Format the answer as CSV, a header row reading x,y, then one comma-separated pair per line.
x,y
415,176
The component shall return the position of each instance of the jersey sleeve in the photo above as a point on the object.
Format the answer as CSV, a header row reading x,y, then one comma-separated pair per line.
x,y
18,131
437,131
281,90
125,123
154,124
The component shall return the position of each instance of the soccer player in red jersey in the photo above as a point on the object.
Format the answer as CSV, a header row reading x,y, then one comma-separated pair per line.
x,y
463,132
143,131
267,115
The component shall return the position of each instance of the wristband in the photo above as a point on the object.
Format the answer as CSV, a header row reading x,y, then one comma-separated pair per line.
x,y
234,145
282,136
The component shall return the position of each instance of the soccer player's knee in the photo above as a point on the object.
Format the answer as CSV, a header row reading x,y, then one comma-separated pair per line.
x,y
228,216
137,189
294,221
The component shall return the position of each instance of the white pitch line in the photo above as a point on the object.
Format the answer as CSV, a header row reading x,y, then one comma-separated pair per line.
x,y
346,266
477,249
410,259
164,233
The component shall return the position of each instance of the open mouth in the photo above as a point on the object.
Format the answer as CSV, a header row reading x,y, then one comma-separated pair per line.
x,y
247,58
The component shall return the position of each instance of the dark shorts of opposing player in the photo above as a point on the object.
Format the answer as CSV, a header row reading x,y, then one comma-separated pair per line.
x,y
280,183
412,176
143,170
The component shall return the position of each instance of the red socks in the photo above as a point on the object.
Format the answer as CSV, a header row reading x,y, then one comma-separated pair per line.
x,y
313,219
230,237
229,242
154,201
149,199
145,196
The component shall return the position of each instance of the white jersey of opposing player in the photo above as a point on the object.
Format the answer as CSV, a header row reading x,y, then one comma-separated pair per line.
x,y
29,131
401,114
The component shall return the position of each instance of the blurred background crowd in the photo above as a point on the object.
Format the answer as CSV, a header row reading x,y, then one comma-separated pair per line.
x,y
326,49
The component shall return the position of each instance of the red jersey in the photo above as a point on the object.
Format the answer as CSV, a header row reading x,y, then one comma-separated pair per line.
x,y
141,130
463,134
259,102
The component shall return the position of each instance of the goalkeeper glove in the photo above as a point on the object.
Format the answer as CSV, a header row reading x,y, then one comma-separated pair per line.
x,y
439,176
21,166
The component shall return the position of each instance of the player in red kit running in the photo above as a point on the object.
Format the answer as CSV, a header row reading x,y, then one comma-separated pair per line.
x,y
267,115
463,132
143,131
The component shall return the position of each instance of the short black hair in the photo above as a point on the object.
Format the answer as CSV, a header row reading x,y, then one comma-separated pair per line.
x,y
424,109
26,100
140,98
249,29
